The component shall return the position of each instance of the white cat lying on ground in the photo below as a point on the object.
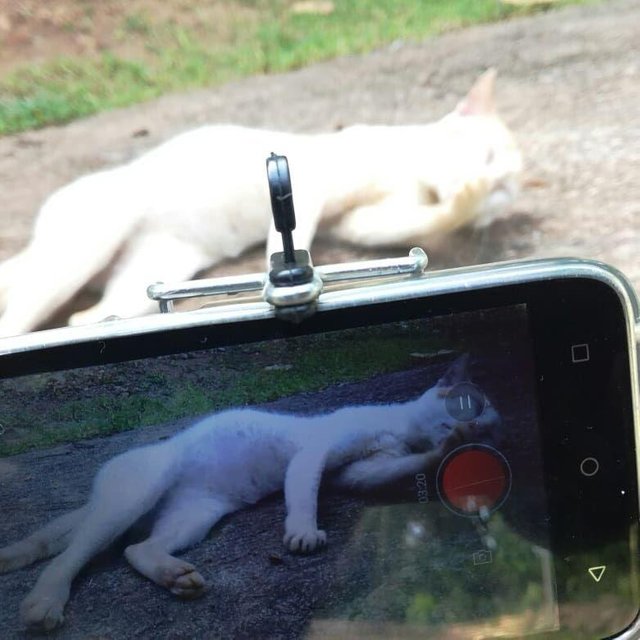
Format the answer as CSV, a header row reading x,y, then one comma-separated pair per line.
x,y
227,461
203,196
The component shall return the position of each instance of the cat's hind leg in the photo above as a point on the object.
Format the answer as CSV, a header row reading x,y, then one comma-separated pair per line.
x,y
43,543
126,488
151,258
49,274
185,519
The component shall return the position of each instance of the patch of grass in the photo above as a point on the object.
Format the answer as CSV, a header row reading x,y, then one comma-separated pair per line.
x,y
260,36
70,88
141,395
137,23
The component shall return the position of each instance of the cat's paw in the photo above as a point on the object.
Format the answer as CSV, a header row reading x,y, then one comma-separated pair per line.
x,y
183,581
174,574
304,541
43,611
467,203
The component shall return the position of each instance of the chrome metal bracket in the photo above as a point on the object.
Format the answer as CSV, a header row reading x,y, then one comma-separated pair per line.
x,y
339,276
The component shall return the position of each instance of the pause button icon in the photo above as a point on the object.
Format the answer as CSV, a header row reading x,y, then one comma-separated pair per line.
x,y
465,402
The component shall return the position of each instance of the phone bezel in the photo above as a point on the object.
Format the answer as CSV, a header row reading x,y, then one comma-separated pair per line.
x,y
420,285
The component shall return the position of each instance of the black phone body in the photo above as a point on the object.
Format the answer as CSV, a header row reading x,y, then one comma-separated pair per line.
x,y
527,528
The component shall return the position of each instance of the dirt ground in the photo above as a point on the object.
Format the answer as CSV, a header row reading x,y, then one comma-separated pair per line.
x,y
569,85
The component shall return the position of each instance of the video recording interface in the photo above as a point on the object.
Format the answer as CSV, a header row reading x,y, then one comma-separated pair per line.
x,y
441,528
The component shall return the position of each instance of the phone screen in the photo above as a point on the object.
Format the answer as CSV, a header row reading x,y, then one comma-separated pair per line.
x,y
462,547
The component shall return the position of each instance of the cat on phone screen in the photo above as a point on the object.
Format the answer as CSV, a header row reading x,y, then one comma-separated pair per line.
x,y
227,461
203,196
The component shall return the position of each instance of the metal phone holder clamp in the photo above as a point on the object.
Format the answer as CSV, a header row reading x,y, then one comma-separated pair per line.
x,y
293,286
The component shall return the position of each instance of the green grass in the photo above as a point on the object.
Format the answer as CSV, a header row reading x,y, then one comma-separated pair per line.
x,y
145,395
266,39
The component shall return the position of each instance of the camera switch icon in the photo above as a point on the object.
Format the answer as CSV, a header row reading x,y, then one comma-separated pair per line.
x,y
482,557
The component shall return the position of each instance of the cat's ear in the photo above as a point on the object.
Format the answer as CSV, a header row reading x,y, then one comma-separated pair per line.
x,y
480,99
457,372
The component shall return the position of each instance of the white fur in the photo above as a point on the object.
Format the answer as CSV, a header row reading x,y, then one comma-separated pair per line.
x,y
230,460
203,196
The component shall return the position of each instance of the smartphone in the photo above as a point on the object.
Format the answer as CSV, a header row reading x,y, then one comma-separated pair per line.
x,y
521,518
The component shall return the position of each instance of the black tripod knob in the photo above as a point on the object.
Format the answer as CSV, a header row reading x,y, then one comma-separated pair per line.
x,y
289,267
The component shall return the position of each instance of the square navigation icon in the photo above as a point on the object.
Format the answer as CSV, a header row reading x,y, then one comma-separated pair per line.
x,y
580,353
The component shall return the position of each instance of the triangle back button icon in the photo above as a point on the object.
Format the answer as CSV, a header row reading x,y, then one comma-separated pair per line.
x,y
597,572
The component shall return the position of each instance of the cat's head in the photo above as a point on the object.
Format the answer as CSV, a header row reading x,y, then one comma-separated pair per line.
x,y
455,402
484,147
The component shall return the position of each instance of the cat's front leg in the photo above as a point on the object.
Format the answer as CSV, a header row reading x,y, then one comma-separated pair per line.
x,y
458,436
390,465
413,220
301,485
302,536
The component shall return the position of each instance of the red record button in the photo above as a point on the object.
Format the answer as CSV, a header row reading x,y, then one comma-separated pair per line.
x,y
474,478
